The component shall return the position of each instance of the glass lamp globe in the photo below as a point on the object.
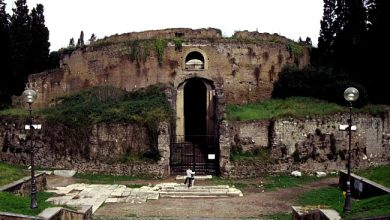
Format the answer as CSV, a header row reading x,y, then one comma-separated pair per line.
x,y
29,96
351,94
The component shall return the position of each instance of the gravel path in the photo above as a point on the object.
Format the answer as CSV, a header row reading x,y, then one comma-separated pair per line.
x,y
253,204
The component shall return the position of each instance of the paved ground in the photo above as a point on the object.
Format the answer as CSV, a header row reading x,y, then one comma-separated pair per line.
x,y
81,194
253,204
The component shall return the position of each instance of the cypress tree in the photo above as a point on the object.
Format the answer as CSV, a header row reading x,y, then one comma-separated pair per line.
x,y
5,74
39,47
20,44
327,32
375,45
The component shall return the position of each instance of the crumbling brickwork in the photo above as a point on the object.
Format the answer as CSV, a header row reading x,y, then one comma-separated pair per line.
x,y
245,66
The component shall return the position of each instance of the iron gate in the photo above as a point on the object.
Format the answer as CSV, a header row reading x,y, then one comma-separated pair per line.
x,y
198,153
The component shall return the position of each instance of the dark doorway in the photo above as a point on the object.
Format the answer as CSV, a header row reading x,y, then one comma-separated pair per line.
x,y
195,110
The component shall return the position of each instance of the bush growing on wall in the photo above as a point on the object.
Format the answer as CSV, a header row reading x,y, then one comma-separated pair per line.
x,y
319,83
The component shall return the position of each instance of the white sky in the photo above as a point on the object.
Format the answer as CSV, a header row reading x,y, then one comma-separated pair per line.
x,y
66,18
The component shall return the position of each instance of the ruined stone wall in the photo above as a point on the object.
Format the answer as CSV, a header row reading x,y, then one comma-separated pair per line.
x,y
249,135
309,144
244,68
105,148
170,33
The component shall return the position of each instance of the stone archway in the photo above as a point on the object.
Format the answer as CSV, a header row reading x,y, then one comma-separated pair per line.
x,y
195,108
196,143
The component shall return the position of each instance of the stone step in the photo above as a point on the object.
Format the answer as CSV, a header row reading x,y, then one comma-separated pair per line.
x,y
200,191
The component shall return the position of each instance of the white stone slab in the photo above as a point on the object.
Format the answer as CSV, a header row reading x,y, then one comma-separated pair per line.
x,y
115,200
153,196
49,212
65,173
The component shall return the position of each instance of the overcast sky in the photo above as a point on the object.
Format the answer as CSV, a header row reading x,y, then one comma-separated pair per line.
x,y
66,18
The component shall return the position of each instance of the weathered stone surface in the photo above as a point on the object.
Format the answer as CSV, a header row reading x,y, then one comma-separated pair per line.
x,y
65,173
96,151
308,145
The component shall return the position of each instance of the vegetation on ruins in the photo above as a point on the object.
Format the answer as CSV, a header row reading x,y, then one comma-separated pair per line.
x,y
139,50
78,111
295,107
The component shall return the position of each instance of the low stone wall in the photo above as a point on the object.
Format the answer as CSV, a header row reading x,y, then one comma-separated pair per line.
x,y
54,213
314,213
23,186
309,144
104,148
12,216
84,213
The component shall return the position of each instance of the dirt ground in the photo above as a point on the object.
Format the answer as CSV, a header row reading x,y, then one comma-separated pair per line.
x,y
254,203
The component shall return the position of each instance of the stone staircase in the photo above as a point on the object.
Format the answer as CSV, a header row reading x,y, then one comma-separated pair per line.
x,y
179,190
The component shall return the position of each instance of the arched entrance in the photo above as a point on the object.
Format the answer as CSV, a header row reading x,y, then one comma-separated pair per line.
x,y
195,111
195,145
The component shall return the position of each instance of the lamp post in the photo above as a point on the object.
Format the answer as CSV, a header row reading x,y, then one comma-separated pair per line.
x,y
29,97
351,94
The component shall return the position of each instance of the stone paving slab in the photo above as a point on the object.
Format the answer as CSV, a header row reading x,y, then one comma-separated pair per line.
x,y
97,194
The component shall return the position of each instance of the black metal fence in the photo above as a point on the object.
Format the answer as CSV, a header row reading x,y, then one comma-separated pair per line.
x,y
199,153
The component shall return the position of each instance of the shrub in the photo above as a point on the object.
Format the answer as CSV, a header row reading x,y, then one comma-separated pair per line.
x,y
320,83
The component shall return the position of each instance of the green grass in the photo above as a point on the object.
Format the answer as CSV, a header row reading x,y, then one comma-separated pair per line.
x,y
108,179
109,104
14,112
332,197
286,181
379,174
296,107
105,104
277,216
10,173
375,206
21,204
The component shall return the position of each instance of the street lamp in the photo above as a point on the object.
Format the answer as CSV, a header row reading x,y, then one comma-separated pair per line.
x,y
29,97
351,94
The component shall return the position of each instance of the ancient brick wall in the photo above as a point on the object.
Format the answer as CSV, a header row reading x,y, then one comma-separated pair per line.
x,y
310,144
244,66
105,148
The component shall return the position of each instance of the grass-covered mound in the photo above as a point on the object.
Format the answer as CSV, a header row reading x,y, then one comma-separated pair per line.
x,y
109,104
104,104
295,107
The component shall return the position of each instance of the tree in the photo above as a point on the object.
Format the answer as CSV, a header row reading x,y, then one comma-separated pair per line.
x,y
71,42
5,74
351,28
374,46
308,41
20,44
92,38
327,32
80,41
54,60
39,47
